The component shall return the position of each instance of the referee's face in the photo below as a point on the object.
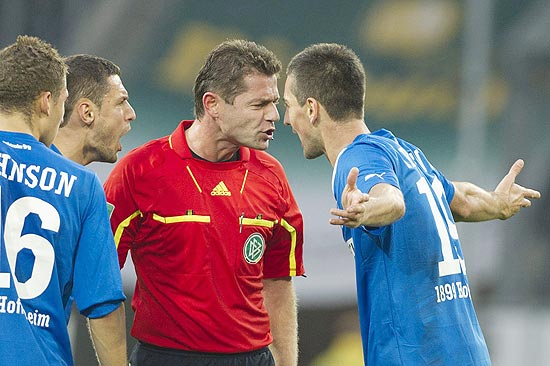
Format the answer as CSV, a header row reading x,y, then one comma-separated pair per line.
x,y
250,120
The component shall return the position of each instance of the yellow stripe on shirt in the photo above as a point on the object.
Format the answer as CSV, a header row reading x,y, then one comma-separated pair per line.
x,y
123,225
257,222
182,218
292,255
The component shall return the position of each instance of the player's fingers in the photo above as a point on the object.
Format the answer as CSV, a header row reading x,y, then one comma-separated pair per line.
x,y
509,179
344,222
337,212
358,208
515,169
531,193
334,221
352,177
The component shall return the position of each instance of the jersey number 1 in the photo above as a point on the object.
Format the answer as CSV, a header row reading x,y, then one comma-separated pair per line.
x,y
446,228
40,247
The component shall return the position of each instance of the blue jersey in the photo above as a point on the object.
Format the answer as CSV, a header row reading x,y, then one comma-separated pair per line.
x,y
56,242
414,300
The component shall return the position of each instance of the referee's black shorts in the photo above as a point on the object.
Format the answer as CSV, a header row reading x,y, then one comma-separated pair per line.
x,y
145,354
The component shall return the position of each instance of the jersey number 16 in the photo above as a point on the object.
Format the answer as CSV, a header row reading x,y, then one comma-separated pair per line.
x,y
40,247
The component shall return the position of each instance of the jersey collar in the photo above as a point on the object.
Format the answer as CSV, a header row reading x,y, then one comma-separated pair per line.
x,y
178,143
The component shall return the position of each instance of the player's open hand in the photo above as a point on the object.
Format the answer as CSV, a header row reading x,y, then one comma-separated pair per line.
x,y
513,196
352,202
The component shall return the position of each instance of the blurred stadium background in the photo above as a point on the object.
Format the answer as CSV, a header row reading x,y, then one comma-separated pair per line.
x,y
468,81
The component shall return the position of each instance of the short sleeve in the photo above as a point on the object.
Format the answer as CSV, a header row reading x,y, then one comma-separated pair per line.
x,y
97,287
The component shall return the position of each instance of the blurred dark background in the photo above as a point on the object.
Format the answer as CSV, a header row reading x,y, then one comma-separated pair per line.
x,y
467,81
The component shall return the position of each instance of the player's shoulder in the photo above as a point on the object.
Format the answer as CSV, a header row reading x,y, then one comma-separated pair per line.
x,y
378,142
380,137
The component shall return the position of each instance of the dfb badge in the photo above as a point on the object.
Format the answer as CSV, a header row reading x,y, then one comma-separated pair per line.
x,y
253,249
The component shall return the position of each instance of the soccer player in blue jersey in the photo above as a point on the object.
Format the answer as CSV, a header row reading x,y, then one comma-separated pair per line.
x,y
56,240
97,114
397,213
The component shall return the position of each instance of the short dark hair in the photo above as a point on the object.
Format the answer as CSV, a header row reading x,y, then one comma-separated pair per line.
x,y
88,78
332,74
226,67
29,67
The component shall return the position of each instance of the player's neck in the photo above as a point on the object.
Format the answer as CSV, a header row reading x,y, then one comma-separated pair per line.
x,y
18,122
69,144
340,134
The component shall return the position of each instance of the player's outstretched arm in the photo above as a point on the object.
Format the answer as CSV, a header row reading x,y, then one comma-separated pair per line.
x,y
472,203
383,205
109,338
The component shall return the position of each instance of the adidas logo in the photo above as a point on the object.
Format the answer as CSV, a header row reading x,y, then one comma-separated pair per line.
x,y
220,190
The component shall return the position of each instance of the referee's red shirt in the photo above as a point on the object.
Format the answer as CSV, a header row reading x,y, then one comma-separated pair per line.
x,y
202,237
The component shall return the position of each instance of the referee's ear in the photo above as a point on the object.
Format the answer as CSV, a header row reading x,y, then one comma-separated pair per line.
x,y
211,103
